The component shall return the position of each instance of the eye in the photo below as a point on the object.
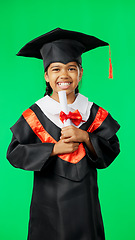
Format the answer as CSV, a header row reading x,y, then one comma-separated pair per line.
x,y
72,69
55,69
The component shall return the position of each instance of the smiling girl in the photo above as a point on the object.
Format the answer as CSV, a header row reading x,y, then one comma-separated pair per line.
x,y
65,204
66,77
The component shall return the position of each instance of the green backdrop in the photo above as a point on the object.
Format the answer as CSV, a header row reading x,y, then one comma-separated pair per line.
x,y
22,83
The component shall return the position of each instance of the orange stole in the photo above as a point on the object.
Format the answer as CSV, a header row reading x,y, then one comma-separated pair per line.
x,y
99,119
44,136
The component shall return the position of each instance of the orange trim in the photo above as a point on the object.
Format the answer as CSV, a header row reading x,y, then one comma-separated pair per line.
x,y
37,127
44,136
74,157
100,117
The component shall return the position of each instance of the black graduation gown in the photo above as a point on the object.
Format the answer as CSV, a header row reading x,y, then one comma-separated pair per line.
x,y
65,204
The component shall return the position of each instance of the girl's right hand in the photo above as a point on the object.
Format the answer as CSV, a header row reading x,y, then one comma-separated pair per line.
x,y
60,147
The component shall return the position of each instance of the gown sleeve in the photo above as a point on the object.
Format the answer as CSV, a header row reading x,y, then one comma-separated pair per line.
x,y
106,150
105,143
26,151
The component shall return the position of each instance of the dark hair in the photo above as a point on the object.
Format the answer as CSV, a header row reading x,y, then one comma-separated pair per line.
x,y
49,89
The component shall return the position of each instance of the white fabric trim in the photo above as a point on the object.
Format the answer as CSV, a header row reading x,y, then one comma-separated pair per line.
x,y
51,108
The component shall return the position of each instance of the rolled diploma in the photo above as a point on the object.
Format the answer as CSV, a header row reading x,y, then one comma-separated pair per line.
x,y
64,106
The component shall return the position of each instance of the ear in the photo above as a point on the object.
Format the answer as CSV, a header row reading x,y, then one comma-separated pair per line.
x,y
80,75
46,77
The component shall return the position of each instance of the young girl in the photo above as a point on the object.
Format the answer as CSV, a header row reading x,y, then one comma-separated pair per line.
x,y
65,204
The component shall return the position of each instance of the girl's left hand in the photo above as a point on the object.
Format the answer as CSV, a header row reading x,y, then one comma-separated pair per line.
x,y
73,134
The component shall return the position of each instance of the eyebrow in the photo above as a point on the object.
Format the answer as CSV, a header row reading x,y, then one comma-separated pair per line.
x,y
60,66
72,66
55,66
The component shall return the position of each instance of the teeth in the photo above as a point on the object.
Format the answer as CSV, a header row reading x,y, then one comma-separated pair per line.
x,y
64,84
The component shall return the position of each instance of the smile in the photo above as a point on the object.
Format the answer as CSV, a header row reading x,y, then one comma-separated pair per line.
x,y
64,83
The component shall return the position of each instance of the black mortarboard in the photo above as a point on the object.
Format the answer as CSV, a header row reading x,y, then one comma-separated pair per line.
x,y
60,45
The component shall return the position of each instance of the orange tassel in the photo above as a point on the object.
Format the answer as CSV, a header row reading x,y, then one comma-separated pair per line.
x,y
110,65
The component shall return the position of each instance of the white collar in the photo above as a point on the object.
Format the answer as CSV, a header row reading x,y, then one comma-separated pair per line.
x,y
50,105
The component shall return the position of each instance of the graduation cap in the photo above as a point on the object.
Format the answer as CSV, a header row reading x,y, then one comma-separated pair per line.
x,y
63,46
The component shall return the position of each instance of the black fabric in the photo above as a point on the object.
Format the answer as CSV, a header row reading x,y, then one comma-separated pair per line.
x,y
29,156
63,51
65,203
106,150
60,45
62,209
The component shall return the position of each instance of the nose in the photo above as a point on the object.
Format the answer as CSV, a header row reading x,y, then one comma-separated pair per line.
x,y
64,74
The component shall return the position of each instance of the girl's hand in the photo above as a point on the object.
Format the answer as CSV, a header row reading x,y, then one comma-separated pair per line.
x,y
72,134
60,147
70,139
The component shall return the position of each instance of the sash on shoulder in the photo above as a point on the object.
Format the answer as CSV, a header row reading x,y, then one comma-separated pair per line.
x,y
44,136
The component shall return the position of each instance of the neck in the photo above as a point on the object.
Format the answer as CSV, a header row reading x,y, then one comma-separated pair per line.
x,y
70,98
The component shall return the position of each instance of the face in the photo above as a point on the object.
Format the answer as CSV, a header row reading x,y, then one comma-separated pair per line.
x,y
63,77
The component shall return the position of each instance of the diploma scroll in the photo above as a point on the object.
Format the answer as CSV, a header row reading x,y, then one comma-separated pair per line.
x,y
64,106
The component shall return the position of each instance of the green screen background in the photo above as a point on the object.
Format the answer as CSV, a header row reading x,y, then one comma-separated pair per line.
x,y
22,83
